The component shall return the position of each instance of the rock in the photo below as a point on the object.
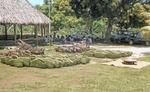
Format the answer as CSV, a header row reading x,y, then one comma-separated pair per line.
x,y
76,47
23,49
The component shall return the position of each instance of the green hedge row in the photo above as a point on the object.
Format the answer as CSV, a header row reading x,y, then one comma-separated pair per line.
x,y
107,54
45,62
2,47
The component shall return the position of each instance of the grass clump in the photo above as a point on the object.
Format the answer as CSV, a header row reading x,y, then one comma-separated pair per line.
x,y
19,62
2,47
107,54
48,62
39,63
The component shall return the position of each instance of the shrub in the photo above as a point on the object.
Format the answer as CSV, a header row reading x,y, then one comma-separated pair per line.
x,y
15,62
89,53
84,60
18,62
145,32
5,60
48,62
2,47
25,61
39,63
107,54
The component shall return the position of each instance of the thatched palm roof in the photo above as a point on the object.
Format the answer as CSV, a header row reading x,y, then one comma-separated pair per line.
x,y
20,12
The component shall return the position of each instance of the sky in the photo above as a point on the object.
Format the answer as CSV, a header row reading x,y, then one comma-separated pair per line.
x,y
35,2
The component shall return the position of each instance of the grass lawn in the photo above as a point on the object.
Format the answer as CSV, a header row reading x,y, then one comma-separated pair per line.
x,y
145,58
81,78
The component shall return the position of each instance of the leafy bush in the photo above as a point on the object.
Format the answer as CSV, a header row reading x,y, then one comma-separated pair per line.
x,y
19,62
107,54
48,62
39,63
2,47
146,32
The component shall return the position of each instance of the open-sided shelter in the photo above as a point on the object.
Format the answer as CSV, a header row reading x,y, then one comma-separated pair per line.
x,y
21,12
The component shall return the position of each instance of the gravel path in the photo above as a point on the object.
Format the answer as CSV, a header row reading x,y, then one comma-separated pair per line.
x,y
137,51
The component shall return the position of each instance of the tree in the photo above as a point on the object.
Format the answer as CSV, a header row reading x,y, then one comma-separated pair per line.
x,y
99,27
140,15
111,9
62,15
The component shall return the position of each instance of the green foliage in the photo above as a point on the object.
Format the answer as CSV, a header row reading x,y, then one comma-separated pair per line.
x,y
39,63
99,27
107,54
140,15
20,62
48,62
77,30
71,16
145,32
62,15
113,10
84,60
2,47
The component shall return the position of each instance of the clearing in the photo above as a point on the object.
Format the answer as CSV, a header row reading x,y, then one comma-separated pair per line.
x,y
93,77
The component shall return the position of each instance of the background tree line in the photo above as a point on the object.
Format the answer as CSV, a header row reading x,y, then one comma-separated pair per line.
x,y
96,16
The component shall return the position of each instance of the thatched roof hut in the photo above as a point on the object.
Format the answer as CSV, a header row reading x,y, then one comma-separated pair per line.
x,y
20,12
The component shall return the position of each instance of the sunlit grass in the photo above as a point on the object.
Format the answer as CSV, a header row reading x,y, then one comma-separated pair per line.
x,y
82,78
145,58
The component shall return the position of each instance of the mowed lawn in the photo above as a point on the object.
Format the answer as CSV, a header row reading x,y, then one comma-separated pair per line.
x,y
82,78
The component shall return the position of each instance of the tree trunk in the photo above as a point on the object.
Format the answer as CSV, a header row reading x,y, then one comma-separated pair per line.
x,y
109,30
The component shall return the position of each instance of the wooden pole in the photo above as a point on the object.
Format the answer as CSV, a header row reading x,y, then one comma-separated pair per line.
x,y
35,31
36,34
42,30
6,35
15,37
49,34
21,31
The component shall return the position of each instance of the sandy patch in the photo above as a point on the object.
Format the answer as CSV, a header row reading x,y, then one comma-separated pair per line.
x,y
118,63
92,62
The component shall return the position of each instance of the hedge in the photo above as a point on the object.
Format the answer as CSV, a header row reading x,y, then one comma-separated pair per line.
x,y
107,54
47,62
2,47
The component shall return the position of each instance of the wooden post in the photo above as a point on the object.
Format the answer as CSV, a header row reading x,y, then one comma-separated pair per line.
x,y
15,36
6,36
50,35
35,31
42,30
36,34
21,31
